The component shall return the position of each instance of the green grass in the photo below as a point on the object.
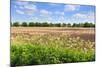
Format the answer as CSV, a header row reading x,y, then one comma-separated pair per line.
x,y
50,49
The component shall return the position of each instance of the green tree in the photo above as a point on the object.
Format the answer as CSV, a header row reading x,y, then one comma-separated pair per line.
x,y
74,25
31,24
58,25
81,24
16,24
69,25
45,24
86,24
63,24
24,24
37,24
93,25
51,24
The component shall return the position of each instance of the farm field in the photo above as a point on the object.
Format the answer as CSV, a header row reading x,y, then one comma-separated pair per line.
x,y
51,45
83,33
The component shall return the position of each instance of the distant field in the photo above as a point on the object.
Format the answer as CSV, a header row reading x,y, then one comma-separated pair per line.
x,y
84,33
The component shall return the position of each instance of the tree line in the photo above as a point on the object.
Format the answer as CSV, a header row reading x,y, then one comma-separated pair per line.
x,y
46,24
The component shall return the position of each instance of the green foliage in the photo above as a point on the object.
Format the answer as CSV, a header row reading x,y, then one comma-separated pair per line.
x,y
69,25
76,25
64,25
58,24
24,24
31,24
31,54
37,24
51,25
16,24
46,24
86,24
50,49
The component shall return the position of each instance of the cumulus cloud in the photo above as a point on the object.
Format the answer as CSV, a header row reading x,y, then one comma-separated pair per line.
x,y
19,12
71,7
45,12
53,4
32,7
29,12
62,18
21,3
80,15
90,17
33,18
21,7
26,7
59,13
85,15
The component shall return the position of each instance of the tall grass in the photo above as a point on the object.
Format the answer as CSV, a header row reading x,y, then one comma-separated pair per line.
x,y
50,49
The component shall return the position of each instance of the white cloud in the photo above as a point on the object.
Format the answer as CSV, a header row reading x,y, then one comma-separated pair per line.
x,y
59,13
21,3
62,18
33,18
71,7
21,7
25,4
29,12
26,7
80,15
32,7
84,15
53,4
90,17
19,12
45,12
62,13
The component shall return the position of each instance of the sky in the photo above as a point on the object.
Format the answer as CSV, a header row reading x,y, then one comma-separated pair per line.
x,y
29,11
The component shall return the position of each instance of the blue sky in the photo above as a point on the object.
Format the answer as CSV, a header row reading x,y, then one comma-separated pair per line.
x,y
28,11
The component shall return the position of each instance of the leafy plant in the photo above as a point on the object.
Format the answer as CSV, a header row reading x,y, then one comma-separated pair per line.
x,y
50,49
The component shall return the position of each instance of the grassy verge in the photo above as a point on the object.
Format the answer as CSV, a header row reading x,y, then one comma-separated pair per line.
x,y
49,49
